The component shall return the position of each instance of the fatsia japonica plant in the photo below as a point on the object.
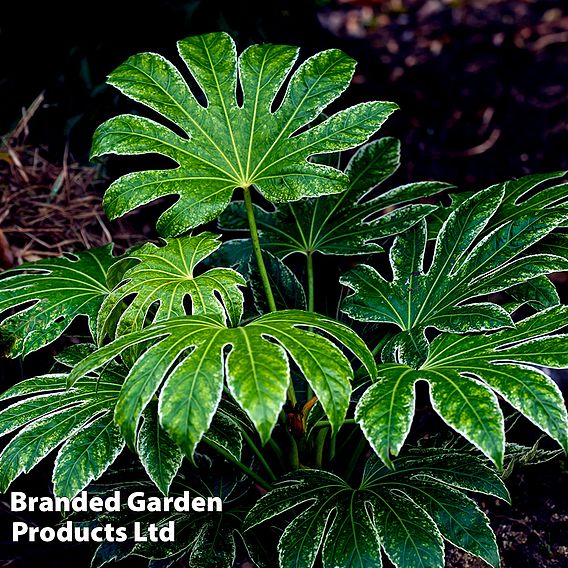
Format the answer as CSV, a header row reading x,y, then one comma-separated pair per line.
x,y
236,366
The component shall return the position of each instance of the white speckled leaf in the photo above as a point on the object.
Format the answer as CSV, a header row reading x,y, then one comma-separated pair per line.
x,y
49,294
465,266
465,373
349,223
163,278
352,524
226,144
190,354
79,419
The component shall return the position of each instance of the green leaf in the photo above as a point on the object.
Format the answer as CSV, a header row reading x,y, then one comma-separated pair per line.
x,y
86,455
464,267
287,290
226,144
409,536
406,512
163,280
539,293
522,196
159,454
348,223
465,373
556,244
385,411
78,419
225,432
527,195
190,354
459,520
48,295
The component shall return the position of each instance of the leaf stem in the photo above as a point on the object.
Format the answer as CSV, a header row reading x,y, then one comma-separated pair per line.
x,y
259,455
293,454
276,449
310,271
257,251
264,484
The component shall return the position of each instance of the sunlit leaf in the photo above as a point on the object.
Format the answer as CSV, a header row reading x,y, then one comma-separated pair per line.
x,y
465,373
227,144
194,355
162,284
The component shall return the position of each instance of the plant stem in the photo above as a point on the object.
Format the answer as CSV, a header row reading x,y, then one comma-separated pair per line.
x,y
256,248
293,454
276,449
332,443
264,484
259,455
310,271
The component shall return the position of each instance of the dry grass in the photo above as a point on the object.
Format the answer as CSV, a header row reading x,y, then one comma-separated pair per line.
x,y
48,208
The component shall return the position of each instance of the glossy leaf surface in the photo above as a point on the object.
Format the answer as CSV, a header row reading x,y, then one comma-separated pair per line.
x,y
162,285
463,268
407,513
194,355
227,144
348,223
465,373
79,421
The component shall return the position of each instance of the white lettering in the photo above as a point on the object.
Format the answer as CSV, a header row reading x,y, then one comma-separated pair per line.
x,y
18,529
18,501
136,502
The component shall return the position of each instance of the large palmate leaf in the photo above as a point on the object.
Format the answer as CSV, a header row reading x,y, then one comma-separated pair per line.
x,y
164,279
227,143
464,267
48,295
348,223
465,372
79,420
407,513
195,354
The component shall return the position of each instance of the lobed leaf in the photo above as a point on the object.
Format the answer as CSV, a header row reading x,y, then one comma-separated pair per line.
x,y
463,268
465,373
48,295
194,355
406,512
79,420
348,223
227,144
163,281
